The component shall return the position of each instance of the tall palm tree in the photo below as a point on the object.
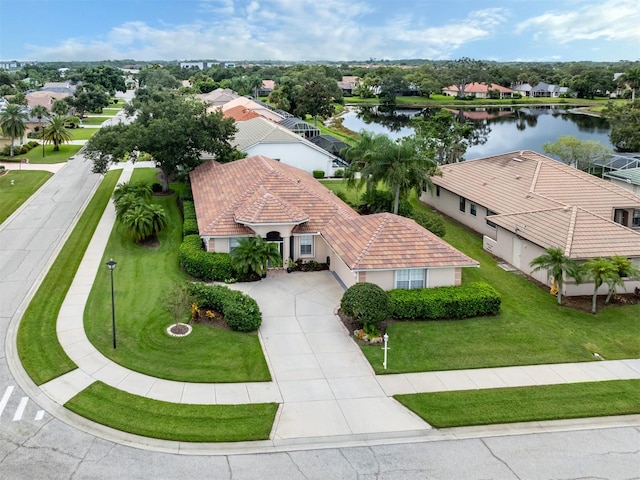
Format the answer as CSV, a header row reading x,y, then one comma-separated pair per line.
x,y
600,271
13,121
402,167
625,269
557,266
56,132
60,107
632,78
40,111
360,156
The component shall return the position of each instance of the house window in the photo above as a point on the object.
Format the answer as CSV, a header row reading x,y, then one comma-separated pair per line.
x,y
233,243
306,245
463,204
437,190
635,222
489,222
410,278
472,209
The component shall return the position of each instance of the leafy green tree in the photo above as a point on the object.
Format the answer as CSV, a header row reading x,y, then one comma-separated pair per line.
x,y
464,71
625,268
253,255
173,129
13,121
18,99
592,82
391,84
557,266
600,271
60,107
56,131
360,156
110,78
632,78
40,111
444,137
89,98
625,126
157,76
575,152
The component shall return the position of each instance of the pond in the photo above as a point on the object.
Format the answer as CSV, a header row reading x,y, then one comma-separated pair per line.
x,y
504,129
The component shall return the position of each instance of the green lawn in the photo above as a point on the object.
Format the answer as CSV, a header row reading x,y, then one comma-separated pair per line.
x,y
42,356
531,328
525,404
25,184
170,421
82,133
95,120
143,277
35,155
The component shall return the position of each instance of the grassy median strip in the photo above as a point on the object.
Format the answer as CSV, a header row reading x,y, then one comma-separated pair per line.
x,y
143,278
50,156
170,421
42,356
525,404
25,184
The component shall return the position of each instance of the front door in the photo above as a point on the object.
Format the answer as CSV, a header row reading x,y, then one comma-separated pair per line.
x,y
274,237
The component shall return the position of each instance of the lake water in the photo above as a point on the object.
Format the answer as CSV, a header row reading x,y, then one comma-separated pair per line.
x,y
505,129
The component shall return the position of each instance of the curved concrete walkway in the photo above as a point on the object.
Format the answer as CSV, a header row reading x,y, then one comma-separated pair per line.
x,y
324,384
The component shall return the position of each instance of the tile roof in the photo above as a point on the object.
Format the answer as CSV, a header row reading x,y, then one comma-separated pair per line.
x,y
218,97
476,87
540,191
259,190
630,175
250,104
240,114
385,241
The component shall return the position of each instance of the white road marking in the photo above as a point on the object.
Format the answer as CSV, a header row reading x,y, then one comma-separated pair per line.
x,y
20,410
5,398
39,415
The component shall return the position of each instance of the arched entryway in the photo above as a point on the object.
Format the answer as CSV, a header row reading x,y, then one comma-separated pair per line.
x,y
275,237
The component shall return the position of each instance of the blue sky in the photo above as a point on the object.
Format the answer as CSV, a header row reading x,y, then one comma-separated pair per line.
x,y
342,30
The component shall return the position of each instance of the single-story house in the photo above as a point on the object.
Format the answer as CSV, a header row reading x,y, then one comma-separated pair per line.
x,y
348,84
267,87
44,98
543,89
259,136
479,90
259,107
523,203
287,206
218,97
240,114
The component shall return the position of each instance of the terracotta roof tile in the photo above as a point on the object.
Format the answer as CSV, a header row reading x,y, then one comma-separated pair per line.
x,y
263,207
240,114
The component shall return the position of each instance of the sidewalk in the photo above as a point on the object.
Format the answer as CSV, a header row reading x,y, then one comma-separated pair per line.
x,y
322,380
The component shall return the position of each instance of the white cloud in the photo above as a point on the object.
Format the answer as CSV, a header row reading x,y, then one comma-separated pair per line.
x,y
608,20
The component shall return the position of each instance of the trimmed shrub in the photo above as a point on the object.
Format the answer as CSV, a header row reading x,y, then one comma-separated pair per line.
x,y
464,301
431,221
203,265
240,311
190,224
366,303
318,174
339,173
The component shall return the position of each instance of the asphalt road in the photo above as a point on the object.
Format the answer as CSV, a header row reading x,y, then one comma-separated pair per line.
x,y
34,444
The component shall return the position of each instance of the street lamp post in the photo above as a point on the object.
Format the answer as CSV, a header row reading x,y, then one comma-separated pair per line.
x,y
112,265
385,338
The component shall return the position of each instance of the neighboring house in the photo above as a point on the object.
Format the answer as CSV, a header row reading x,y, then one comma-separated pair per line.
x,y
260,136
300,127
523,203
285,205
348,84
59,87
479,90
218,97
259,107
628,179
545,90
240,114
267,87
523,89
44,98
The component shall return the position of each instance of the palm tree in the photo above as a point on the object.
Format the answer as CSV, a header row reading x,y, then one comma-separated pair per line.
x,y
13,122
632,78
601,271
402,167
254,255
56,132
40,111
626,269
60,107
557,266
139,189
144,220
361,155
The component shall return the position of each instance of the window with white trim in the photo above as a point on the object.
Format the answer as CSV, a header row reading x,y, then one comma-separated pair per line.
x,y
306,245
233,243
463,204
410,278
472,208
635,220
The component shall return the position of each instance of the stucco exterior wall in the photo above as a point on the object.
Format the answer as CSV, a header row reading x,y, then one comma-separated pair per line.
x,y
297,155
341,269
385,279
441,277
449,204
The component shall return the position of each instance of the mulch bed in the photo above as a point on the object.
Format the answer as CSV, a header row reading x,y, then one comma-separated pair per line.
x,y
217,320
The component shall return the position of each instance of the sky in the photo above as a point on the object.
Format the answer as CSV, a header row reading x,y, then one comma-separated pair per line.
x,y
315,30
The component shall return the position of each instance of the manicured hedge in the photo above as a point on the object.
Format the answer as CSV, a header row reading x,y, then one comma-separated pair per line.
x,y
190,223
469,300
240,311
366,303
203,265
318,174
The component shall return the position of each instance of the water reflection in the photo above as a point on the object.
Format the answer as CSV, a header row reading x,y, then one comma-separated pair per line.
x,y
498,129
